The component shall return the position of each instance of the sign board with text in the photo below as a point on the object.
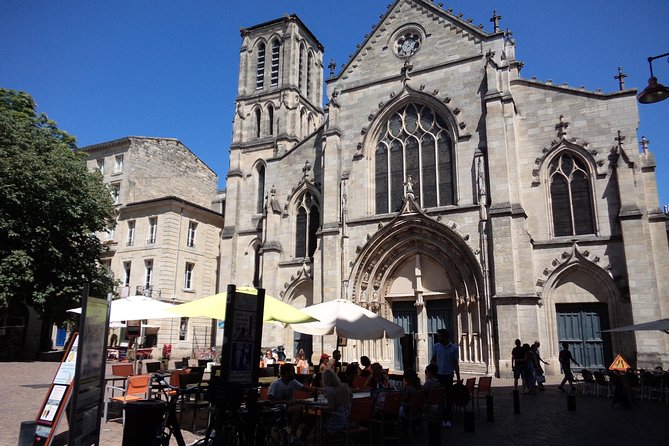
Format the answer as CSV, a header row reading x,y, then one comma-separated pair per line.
x,y
89,385
242,336
58,396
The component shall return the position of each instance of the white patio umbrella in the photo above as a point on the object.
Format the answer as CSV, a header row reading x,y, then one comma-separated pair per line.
x,y
660,324
135,308
349,320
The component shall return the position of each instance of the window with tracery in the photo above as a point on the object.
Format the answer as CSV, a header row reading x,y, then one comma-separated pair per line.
x,y
274,72
307,222
260,70
571,197
415,142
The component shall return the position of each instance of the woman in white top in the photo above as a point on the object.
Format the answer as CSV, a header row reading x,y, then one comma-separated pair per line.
x,y
268,359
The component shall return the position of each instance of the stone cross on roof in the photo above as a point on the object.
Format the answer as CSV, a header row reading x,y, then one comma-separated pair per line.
x,y
620,138
495,21
561,127
621,78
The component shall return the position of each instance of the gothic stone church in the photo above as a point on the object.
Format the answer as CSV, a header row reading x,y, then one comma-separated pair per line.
x,y
439,188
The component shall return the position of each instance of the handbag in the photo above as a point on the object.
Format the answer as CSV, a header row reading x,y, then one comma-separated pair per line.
x,y
541,379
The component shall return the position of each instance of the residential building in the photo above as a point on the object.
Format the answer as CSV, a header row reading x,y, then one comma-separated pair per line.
x,y
165,244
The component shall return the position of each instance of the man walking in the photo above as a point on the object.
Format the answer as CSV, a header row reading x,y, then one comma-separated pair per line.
x,y
446,357
566,359
518,364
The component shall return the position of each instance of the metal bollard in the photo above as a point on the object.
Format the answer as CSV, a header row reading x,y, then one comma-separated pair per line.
x,y
571,402
27,433
469,421
516,401
489,409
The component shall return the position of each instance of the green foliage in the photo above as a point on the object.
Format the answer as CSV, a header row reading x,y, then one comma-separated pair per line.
x,y
50,209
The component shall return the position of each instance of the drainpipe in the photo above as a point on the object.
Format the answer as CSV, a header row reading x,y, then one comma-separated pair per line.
x,y
176,273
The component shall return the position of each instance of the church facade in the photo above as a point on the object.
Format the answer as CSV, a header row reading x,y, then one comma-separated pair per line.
x,y
439,188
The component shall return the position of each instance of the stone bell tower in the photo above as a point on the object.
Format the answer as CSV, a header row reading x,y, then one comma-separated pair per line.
x,y
280,93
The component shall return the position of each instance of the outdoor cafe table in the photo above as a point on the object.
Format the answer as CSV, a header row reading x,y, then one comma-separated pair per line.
x,y
318,409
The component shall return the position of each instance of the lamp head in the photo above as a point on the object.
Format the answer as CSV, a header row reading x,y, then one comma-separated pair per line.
x,y
654,92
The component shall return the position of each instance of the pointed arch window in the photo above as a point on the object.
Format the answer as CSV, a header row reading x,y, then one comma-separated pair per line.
x,y
270,119
258,120
300,70
571,196
307,222
260,201
274,72
415,141
260,70
256,266
310,61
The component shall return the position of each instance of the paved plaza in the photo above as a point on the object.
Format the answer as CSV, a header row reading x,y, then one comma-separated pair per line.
x,y
544,418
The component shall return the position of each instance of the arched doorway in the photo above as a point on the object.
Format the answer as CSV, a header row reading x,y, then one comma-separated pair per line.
x,y
423,275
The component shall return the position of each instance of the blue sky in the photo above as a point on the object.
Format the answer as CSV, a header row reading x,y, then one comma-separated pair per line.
x,y
108,69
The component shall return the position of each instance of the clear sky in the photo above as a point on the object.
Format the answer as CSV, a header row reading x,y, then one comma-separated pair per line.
x,y
108,69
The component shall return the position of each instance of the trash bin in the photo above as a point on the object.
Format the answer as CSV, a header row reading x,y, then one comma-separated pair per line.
x,y
469,421
143,422
27,433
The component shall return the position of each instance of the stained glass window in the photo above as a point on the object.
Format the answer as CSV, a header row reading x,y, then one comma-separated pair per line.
x,y
415,142
571,199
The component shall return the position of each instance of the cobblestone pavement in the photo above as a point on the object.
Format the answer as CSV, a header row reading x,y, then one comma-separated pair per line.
x,y
544,418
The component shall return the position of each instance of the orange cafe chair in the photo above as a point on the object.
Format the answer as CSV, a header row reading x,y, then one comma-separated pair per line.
x,y
122,370
482,390
136,389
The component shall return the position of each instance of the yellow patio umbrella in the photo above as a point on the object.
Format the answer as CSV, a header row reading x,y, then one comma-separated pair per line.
x,y
214,307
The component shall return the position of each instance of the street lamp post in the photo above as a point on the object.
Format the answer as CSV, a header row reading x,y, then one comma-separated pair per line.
x,y
654,92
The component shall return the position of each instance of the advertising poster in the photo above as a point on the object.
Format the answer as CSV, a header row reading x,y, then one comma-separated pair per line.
x,y
68,367
243,329
53,402
58,396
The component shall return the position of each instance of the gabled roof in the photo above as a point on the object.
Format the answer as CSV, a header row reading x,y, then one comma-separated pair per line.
x,y
371,37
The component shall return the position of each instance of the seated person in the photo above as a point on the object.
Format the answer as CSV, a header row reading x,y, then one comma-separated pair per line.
x,y
365,366
281,391
339,399
268,359
335,361
301,363
411,386
431,380
378,379
350,373
323,363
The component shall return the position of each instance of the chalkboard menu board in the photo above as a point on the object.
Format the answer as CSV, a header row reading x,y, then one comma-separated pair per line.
x,y
89,384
